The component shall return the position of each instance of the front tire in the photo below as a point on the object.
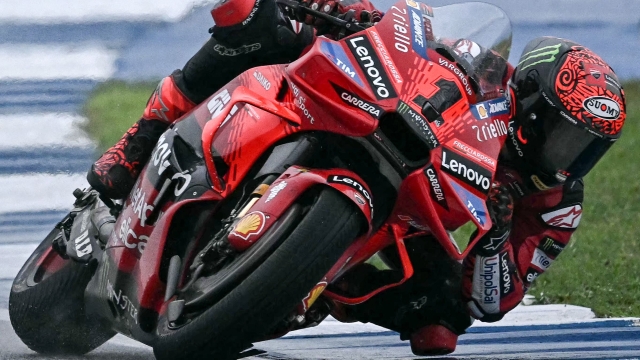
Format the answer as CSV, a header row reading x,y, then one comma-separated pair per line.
x,y
272,290
46,304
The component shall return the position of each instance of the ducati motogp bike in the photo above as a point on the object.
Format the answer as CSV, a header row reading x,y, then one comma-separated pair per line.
x,y
259,209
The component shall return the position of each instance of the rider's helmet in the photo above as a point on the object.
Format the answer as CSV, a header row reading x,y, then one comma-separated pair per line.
x,y
570,108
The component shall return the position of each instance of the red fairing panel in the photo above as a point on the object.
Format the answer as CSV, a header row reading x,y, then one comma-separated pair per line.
x,y
284,192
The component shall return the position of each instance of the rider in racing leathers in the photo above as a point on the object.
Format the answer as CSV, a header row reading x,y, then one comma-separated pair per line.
x,y
567,109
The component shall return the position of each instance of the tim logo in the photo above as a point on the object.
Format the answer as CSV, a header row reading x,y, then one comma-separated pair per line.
x,y
567,218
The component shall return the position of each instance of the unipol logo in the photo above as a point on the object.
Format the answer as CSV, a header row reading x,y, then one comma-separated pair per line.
x,y
602,107
567,218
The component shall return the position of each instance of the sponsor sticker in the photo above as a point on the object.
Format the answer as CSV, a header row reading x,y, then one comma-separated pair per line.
x,y
551,247
352,183
505,276
474,204
355,101
541,260
486,278
469,172
313,295
472,152
400,29
602,107
491,108
336,54
413,4
436,188
531,275
83,244
418,123
463,78
418,40
250,225
566,218
371,65
262,80
273,192
387,60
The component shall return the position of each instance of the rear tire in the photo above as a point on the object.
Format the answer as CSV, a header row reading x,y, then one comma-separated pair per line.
x,y
272,290
46,304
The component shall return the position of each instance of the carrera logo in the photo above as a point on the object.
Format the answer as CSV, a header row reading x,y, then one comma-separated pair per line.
x,y
436,188
372,67
250,224
471,174
541,260
353,100
602,107
567,218
353,184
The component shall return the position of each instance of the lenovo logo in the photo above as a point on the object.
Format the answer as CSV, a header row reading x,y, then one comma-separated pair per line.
x,y
470,173
372,67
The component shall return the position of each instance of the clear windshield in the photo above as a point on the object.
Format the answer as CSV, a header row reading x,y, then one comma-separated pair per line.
x,y
484,24
478,35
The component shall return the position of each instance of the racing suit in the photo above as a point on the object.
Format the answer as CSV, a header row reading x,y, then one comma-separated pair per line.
x,y
486,286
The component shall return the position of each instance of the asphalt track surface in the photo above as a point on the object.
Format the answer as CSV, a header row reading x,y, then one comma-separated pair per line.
x,y
53,54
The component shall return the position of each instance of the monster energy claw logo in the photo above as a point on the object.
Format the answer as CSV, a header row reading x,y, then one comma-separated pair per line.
x,y
545,54
403,108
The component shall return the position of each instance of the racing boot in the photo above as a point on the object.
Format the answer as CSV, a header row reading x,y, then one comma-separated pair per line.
x,y
115,172
432,340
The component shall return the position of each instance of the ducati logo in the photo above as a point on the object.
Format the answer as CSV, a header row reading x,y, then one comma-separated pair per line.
x,y
250,224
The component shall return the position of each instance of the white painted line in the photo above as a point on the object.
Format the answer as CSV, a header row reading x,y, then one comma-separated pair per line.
x,y
125,341
543,315
39,192
48,62
13,257
42,130
78,11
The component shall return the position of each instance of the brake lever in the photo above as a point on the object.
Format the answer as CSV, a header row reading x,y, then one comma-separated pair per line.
x,y
347,24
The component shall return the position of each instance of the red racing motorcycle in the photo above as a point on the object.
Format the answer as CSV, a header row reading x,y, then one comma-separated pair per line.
x,y
259,208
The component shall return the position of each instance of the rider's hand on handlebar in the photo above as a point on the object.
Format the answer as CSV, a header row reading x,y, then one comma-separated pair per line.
x,y
500,205
364,11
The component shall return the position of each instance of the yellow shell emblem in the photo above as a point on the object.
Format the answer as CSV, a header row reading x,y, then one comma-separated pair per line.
x,y
250,224
482,111
313,295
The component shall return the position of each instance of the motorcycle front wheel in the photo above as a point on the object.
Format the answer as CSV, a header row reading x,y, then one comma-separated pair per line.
x,y
319,236
46,304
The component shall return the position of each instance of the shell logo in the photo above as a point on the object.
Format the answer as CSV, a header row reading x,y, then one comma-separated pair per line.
x,y
482,111
250,224
313,295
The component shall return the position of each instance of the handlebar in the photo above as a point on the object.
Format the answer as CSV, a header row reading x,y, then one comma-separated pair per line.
x,y
345,21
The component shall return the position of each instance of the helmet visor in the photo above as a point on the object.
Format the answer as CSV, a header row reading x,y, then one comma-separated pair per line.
x,y
565,148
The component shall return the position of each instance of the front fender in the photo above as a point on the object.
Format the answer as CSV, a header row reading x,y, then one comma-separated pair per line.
x,y
285,190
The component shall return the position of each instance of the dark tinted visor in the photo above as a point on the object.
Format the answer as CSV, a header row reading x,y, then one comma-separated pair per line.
x,y
566,147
